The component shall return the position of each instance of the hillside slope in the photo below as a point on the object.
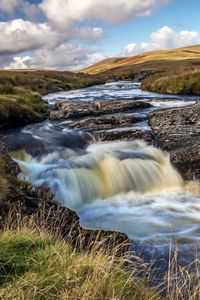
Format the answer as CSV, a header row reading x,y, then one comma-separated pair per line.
x,y
154,60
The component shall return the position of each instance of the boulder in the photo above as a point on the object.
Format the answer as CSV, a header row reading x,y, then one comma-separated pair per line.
x,y
106,122
78,109
177,130
125,134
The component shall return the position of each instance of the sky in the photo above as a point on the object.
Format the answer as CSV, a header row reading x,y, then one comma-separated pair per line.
x,y
73,34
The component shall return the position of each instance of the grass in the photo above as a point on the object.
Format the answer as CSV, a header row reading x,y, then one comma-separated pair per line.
x,y
20,108
21,93
44,82
153,58
187,82
37,265
45,254
174,71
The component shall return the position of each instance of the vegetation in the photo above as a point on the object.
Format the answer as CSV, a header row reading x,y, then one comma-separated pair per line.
x,y
168,71
41,258
21,92
45,254
153,60
37,265
45,82
20,107
187,82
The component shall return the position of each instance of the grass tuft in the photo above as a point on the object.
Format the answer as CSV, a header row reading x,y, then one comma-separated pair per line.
x,y
36,265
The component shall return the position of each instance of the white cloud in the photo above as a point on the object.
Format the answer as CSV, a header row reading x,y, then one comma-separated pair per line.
x,y
64,12
19,35
163,38
167,38
63,57
9,6
18,63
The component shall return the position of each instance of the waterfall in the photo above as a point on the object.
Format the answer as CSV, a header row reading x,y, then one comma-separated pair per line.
x,y
102,171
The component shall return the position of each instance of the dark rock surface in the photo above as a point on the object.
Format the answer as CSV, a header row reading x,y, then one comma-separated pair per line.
x,y
77,109
126,134
178,131
105,122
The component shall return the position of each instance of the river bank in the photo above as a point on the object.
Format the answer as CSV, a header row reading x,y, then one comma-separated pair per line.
x,y
74,126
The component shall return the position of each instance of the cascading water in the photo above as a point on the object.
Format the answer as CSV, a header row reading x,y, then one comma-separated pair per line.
x,y
105,170
124,186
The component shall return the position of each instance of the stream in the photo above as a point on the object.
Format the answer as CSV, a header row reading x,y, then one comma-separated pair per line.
x,y
124,186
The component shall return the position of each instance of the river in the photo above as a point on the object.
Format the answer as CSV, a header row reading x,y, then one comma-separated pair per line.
x,y
123,186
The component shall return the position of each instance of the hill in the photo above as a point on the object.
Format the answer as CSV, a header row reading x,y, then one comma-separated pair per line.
x,y
154,61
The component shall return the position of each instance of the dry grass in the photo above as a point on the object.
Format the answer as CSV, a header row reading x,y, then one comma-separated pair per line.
x,y
37,264
181,54
179,81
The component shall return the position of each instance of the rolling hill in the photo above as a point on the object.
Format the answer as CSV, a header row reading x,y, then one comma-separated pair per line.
x,y
153,60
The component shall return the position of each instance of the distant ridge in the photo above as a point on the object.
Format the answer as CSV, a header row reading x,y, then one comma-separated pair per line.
x,y
152,58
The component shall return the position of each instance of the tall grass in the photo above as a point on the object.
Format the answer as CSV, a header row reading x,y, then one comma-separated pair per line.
x,y
177,81
36,263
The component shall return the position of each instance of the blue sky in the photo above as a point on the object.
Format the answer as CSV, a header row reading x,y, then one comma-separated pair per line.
x,y
71,34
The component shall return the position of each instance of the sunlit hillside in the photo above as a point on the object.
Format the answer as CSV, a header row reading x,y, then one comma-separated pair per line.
x,y
187,54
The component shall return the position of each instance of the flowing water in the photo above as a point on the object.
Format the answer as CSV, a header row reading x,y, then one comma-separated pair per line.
x,y
126,186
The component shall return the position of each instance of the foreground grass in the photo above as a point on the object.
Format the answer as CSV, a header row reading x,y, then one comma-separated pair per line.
x,y
38,266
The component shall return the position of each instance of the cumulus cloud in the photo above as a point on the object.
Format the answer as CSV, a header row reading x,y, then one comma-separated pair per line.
x,y
64,12
63,57
9,6
163,38
18,63
19,35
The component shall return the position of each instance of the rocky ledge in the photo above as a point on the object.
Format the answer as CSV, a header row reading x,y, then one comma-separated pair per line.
x,y
77,109
19,201
178,131
124,135
106,122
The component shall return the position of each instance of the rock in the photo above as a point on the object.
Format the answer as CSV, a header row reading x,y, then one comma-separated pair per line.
x,y
77,109
178,131
38,204
126,134
105,122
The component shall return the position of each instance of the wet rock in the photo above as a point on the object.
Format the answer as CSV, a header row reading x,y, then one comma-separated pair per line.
x,y
77,109
105,122
23,201
126,134
178,131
